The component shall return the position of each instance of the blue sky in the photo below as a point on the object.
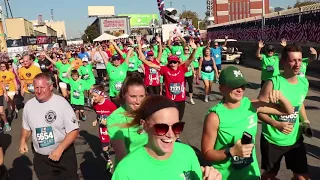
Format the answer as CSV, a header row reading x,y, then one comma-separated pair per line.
x,y
74,12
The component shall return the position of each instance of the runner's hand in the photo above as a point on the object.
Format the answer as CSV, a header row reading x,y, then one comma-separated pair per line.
x,y
275,96
261,44
23,148
210,173
138,38
158,39
6,97
226,37
242,150
192,44
283,42
94,123
131,42
55,155
284,127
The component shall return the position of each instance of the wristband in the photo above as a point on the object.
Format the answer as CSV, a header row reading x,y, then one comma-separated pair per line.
x,y
227,152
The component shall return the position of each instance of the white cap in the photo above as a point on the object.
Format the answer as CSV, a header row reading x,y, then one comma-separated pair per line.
x,y
144,46
85,59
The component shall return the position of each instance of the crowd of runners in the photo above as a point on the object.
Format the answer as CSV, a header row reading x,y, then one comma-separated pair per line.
x,y
141,116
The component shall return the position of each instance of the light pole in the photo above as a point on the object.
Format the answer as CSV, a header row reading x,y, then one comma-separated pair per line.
x,y
184,8
263,19
199,24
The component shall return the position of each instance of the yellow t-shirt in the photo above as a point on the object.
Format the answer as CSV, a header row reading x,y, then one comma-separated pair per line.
x,y
27,75
8,78
77,63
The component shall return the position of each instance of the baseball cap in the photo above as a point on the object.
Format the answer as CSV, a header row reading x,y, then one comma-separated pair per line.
x,y
150,53
270,48
144,46
232,77
115,57
173,58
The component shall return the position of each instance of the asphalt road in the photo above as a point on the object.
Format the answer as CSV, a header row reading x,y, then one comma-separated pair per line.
x,y
90,158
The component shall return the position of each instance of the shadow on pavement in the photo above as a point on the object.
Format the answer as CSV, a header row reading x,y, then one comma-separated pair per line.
x,y
314,172
313,98
313,151
93,141
21,169
6,140
93,168
311,107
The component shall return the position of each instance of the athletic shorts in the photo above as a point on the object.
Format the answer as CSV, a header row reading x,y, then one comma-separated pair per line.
x,y
207,76
161,79
103,134
295,156
77,107
219,67
1,100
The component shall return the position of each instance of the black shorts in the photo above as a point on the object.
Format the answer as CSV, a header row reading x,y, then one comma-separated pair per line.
x,y
77,107
65,168
295,156
262,83
153,90
219,67
1,100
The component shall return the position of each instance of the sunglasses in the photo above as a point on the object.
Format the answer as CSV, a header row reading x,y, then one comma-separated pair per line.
x,y
162,129
173,62
115,59
186,49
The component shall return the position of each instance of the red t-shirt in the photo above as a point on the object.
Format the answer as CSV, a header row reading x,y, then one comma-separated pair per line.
x,y
152,76
103,110
174,82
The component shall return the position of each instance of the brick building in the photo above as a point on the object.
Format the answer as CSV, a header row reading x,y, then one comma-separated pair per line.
x,y
231,10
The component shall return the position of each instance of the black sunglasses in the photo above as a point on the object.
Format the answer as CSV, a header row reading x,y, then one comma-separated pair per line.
x,y
162,129
186,49
173,62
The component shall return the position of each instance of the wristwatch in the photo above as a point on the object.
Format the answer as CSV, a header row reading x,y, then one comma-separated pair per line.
x,y
227,152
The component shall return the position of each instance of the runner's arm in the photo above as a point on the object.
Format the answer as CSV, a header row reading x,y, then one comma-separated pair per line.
x,y
225,41
105,59
119,148
159,49
51,60
258,53
209,137
68,140
193,54
313,54
25,134
200,66
116,47
183,41
303,114
170,41
142,57
215,68
130,52
1,156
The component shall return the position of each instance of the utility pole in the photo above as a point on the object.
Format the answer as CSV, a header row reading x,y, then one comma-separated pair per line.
x,y
170,4
263,19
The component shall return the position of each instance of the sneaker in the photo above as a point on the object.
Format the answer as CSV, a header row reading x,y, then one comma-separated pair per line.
x,y
84,117
192,102
206,99
7,127
109,165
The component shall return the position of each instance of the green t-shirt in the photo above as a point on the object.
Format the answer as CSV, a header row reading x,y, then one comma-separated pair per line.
x,y
198,55
295,93
71,59
155,50
233,122
177,50
304,65
87,74
182,164
36,60
134,62
15,60
270,66
132,139
63,69
164,58
185,58
77,89
116,77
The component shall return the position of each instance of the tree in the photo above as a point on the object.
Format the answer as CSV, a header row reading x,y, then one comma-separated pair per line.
x,y
305,3
85,38
190,15
92,32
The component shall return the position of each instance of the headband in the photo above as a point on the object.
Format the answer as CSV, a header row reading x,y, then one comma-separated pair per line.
x,y
161,103
98,92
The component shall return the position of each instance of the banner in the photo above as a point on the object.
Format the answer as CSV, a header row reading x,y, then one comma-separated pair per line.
x,y
14,43
141,20
161,8
42,39
29,40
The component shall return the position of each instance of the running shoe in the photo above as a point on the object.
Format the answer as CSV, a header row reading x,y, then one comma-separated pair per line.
x,y
192,102
206,99
7,127
84,117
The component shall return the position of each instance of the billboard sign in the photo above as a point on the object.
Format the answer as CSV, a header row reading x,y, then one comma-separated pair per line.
x,y
141,20
95,11
111,25
29,40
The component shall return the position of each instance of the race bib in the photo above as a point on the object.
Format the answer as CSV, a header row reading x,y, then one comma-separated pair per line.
x,y
175,88
64,75
45,136
7,87
76,94
270,69
241,162
42,66
131,65
30,88
118,86
217,55
101,118
208,68
291,118
178,53
153,71
86,77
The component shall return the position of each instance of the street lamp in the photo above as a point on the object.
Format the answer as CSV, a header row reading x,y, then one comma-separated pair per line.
x,y
184,8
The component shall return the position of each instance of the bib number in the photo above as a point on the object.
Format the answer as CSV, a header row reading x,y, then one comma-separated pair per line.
x,y
270,69
178,53
291,118
76,94
64,75
241,162
86,77
175,88
118,86
217,56
45,136
43,66
208,68
131,65
30,88
7,87
153,71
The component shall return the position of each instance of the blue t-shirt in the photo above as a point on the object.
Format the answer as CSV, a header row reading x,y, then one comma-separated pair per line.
x,y
216,54
82,55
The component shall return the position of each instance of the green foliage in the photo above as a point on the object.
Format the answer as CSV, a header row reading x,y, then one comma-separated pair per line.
x,y
91,32
190,15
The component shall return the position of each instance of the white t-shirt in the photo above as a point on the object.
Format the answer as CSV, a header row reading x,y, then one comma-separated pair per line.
x,y
98,58
48,122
